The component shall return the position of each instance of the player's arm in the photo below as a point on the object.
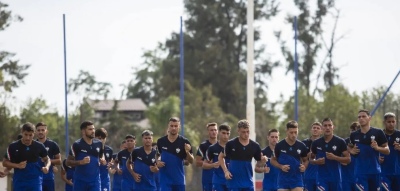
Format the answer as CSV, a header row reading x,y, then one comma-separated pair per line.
x,y
189,155
199,161
207,162
63,174
383,149
129,166
275,162
56,160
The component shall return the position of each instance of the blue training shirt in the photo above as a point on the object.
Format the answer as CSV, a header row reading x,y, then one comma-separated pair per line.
x,y
142,162
212,153
270,181
390,165
52,149
89,172
173,154
206,175
122,157
240,157
331,170
366,162
311,171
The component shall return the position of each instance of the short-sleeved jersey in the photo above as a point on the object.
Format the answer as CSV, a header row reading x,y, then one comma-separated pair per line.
x,y
270,181
52,149
108,152
390,165
173,154
311,171
122,157
240,157
18,152
80,149
212,154
290,155
206,176
348,170
331,170
366,162
142,162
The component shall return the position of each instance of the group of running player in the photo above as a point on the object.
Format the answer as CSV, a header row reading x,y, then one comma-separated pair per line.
x,y
367,160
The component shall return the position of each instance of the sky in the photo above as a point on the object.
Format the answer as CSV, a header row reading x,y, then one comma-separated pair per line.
x,y
108,39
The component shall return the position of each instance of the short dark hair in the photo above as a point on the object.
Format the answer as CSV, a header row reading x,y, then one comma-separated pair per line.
x,y
354,126
101,133
123,142
272,131
174,119
224,127
28,127
326,119
40,124
243,124
211,124
85,124
316,123
292,124
147,133
389,115
129,136
364,110
19,137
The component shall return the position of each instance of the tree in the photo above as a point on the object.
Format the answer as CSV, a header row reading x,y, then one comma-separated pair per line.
x,y
12,73
215,51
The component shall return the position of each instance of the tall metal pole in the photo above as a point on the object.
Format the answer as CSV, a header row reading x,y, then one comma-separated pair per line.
x,y
384,95
296,73
65,91
250,109
182,97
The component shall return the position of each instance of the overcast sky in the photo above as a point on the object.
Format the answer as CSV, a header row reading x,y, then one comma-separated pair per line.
x,y
108,38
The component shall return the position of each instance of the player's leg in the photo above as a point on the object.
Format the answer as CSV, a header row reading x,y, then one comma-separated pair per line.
x,y
385,183
374,182
362,182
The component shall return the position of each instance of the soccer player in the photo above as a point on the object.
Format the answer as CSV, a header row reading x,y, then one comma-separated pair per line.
x,y
127,181
53,150
67,175
367,143
327,153
270,181
174,149
86,155
144,164
291,158
390,164
206,177
24,156
240,151
102,134
310,174
117,172
348,179
211,162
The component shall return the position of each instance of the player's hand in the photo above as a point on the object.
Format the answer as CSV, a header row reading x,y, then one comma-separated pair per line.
x,y
396,146
344,164
302,168
112,170
355,150
103,161
70,182
374,144
215,165
2,174
267,169
55,169
136,176
160,164
381,159
85,160
264,159
154,168
21,165
285,168
319,161
228,175
187,147
45,170
119,171
330,156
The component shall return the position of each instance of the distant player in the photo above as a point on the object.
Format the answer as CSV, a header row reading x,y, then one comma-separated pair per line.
x,y
310,175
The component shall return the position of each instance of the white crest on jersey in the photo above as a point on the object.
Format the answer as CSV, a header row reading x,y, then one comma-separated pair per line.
x,y
372,138
334,147
178,150
298,151
98,149
47,148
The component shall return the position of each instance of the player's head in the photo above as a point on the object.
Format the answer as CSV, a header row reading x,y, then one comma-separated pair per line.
x,y
101,134
390,121
354,126
243,129
224,132
364,117
174,125
87,129
147,138
130,141
41,130
316,129
273,137
292,129
27,132
212,130
327,126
